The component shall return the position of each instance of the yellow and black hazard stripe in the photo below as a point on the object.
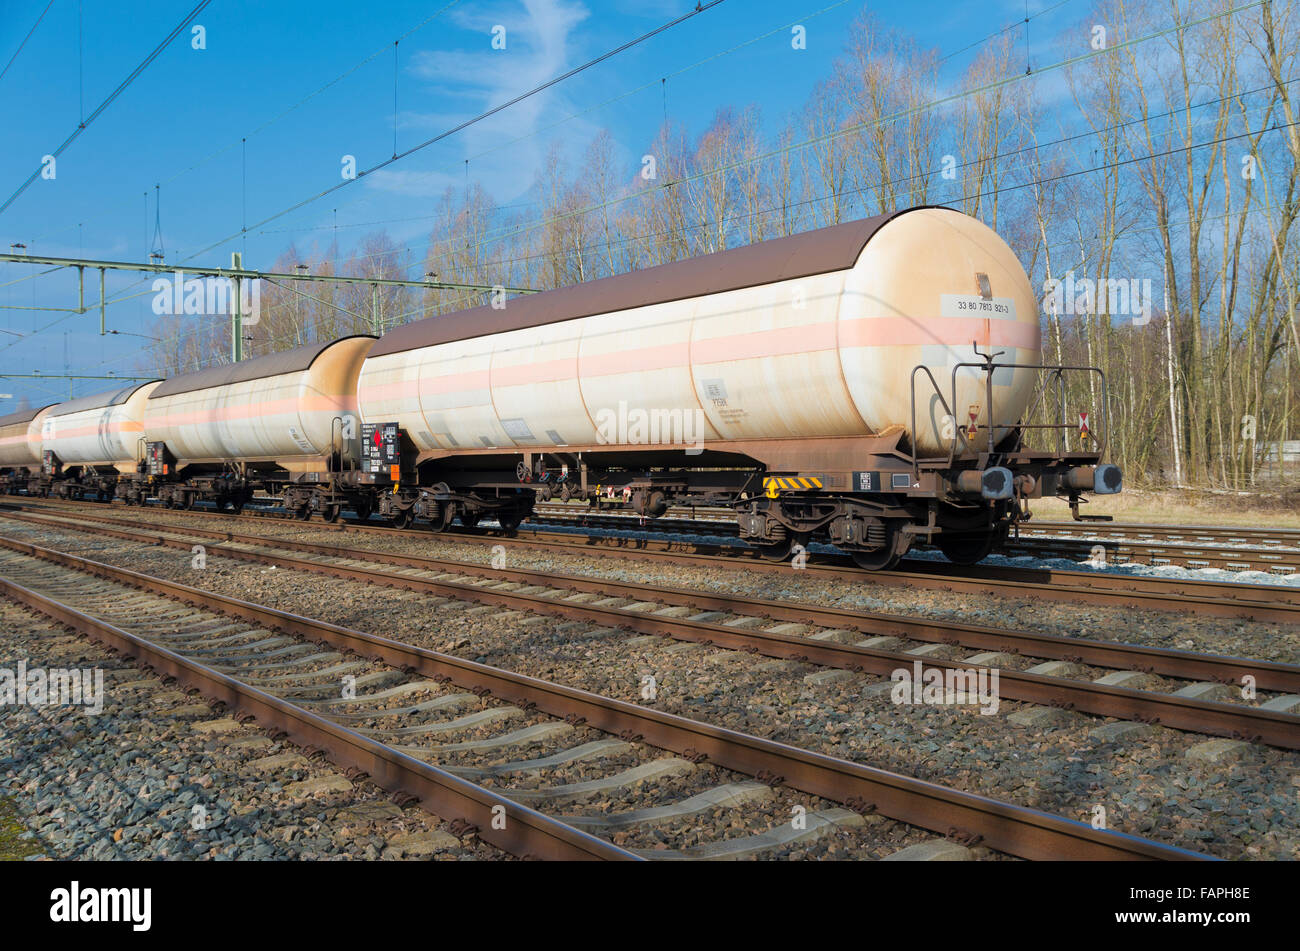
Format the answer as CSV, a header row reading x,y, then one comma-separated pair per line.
x,y
774,484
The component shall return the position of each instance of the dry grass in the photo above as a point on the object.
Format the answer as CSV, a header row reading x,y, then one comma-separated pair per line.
x,y
12,848
1277,509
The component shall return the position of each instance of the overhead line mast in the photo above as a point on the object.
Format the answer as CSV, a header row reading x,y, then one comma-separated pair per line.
x,y
237,274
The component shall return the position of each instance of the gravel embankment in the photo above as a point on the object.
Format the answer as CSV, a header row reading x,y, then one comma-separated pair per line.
x,y
1156,782
427,717
159,774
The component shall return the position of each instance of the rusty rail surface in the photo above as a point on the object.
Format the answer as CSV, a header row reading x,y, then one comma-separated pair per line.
x,y
526,832
1175,547
1220,719
1271,603
1188,665
1005,827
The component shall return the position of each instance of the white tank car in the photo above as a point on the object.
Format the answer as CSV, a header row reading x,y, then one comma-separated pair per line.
x,y
285,407
20,438
101,430
807,336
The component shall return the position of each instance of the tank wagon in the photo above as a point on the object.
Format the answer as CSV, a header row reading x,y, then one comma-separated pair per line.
x,y
865,384
284,424
88,445
868,384
20,448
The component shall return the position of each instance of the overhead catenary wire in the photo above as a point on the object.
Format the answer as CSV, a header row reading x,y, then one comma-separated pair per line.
x,y
852,128
926,174
1089,133
285,112
662,81
596,107
983,194
121,87
460,127
244,229
25,39
1031,183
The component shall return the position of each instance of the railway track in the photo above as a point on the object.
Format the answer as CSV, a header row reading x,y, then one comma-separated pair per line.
x,y
1270,603
1142,531
841,643
1191,548
1188,534
283,670
1102,552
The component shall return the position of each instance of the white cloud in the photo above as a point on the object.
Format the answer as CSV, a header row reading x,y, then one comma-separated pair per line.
x,y
410,182
540,44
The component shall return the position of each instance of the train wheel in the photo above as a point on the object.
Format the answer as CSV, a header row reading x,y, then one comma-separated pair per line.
x,y
303,512
332,513
509,521
188,500
404,519
469,519
363,510
441,517
777,551
883,558
967,548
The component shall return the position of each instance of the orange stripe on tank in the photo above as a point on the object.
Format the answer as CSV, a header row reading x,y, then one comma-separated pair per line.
x,y
786,341
310,404
96,430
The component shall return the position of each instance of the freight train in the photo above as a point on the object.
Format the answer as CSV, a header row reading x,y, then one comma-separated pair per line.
x,y
869,384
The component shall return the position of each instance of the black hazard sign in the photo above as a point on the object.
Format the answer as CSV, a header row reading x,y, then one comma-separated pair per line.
x,y
155,457
866,481
874,482
381,447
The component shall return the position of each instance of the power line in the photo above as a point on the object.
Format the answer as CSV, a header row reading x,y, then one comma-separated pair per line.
x,y
1008,188
26,38
997,157
85,123
696,11
858,127
596,107
699,8
1006,29
297,105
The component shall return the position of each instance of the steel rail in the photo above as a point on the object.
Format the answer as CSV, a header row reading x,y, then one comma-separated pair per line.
x,y
526,831
1120,552
1195,533
1232,720
1189,665
1005,827
1271,603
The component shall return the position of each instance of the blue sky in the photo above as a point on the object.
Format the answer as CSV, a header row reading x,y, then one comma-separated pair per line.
x,y
181,122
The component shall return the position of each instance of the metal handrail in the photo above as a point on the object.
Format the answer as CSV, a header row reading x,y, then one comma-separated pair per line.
x,y
343,460
1056,376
